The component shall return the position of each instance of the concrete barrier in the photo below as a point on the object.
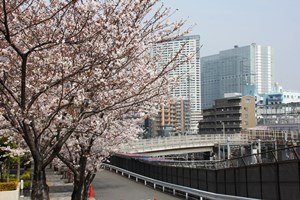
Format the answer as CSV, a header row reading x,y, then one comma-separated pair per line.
x,y
10,195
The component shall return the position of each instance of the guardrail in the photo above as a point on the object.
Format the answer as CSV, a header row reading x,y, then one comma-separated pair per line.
x,y
173,187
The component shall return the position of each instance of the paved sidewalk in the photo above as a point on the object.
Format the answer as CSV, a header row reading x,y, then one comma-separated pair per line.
x,y
58,188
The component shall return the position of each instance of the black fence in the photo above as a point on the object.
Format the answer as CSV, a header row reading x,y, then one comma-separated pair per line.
x,y
274,176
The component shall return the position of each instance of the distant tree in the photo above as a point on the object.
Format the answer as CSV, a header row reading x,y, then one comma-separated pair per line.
x,y
63,62
10,153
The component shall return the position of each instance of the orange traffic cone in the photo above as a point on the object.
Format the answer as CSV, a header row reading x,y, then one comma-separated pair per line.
x,y
91,193
154,198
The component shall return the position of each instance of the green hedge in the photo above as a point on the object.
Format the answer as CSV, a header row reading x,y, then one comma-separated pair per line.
x,y
8,186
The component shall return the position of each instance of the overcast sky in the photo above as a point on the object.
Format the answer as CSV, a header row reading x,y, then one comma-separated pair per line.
x,y
222,24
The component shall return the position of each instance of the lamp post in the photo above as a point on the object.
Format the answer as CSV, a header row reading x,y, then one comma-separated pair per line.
x,y
190,103
223,129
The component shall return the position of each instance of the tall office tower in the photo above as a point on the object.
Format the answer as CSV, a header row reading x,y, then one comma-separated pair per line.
x,y
231,71
187,71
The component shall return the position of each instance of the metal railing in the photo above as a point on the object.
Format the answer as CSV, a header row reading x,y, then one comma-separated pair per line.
x,y
206,164
273,156
194,141
173,187
179,142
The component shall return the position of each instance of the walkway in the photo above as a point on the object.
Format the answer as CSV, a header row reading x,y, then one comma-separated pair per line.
x,y
106,186
58,188
111,186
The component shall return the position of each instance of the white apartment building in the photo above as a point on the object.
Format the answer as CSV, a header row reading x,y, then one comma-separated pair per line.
x,y
187,71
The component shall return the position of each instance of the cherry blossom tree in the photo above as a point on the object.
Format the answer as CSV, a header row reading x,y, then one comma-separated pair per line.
x,y
92,144
67,64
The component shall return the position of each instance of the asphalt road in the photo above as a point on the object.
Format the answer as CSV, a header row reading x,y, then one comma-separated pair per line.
x,y
111,186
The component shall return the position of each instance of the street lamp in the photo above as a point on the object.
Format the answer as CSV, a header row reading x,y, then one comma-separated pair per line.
x,y
228,145
223,125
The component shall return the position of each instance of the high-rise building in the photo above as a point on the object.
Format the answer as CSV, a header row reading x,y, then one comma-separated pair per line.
x,y
231,70
187,71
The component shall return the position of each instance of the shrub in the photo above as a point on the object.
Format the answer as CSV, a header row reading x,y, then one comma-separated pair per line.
x,y
26,175
8,186
27,185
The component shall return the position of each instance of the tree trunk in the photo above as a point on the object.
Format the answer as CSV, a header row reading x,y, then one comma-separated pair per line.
x,y
40,189
77,189
79,177
82,181
81,187
87,184
86,190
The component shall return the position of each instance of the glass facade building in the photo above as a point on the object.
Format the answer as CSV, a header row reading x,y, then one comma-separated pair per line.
x,y
231,70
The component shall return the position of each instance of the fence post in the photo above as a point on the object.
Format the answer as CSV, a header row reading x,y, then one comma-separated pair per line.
x,y
277,180
246,176
261,187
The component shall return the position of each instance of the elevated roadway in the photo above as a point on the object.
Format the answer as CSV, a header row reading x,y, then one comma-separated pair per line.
x,y
202,143
182,144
